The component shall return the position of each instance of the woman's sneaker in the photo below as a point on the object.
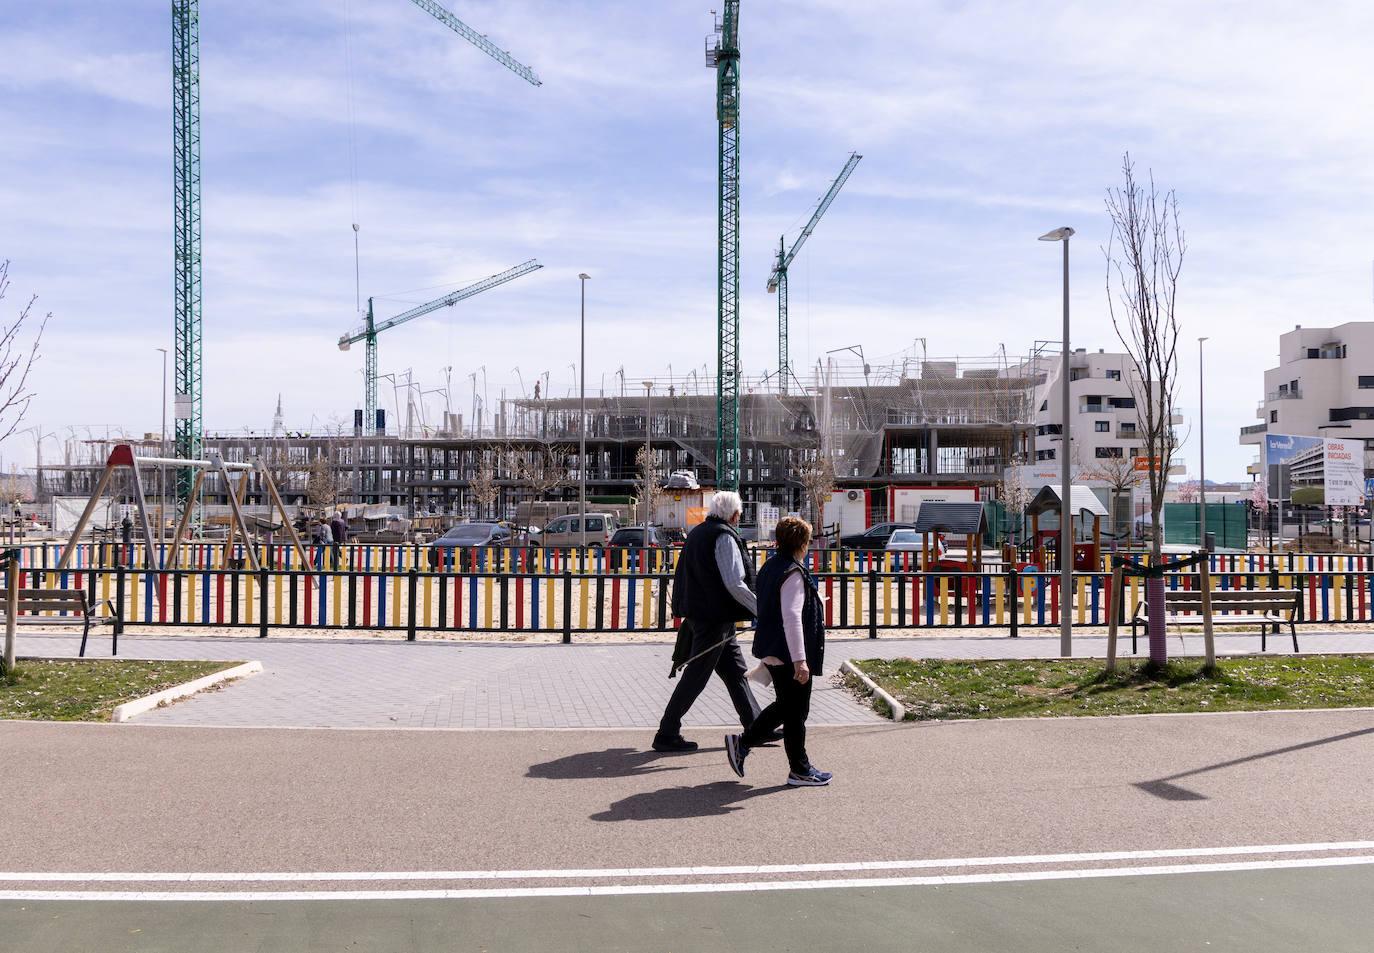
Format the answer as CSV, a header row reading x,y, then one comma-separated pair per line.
x,y
736,752
810,778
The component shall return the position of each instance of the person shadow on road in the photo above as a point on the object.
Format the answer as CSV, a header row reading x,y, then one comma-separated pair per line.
x,y
715,799
611,763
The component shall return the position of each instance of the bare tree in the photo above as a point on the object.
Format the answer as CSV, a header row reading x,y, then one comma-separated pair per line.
x,y
1187,492
1015,496
544,470
322,483
648,486
16,360
482,486
1121,476
817,478
1144,258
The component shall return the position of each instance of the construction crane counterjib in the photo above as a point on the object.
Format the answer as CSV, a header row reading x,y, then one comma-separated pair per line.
x,y
361,332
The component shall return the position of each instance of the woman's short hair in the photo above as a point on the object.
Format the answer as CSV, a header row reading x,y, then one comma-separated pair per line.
x,y
792,533
725,504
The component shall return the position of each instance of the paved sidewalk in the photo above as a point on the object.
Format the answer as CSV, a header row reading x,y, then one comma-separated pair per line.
x,y
386,684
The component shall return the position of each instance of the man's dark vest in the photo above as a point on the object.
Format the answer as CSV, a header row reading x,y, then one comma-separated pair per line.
x,y
699,593
770,638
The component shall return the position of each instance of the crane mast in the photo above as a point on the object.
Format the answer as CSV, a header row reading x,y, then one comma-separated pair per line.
x,y
186,268
722,53
777,281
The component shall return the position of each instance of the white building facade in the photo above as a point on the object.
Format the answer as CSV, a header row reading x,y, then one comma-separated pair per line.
x,y
1108,449
1323,386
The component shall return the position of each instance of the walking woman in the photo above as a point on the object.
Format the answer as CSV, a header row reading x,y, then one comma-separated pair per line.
x,y
790,641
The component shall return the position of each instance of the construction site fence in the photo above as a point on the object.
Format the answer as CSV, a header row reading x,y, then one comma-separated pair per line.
x,y
568,603
547,560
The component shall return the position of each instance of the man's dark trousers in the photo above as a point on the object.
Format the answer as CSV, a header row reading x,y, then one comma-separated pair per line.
x,y
727,661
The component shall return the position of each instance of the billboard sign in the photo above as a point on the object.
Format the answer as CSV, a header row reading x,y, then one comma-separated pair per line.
x,y
1344,465
1316,470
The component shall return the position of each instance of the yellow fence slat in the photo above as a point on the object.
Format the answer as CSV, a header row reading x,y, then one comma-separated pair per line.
x,y
887,600
548,603
583,602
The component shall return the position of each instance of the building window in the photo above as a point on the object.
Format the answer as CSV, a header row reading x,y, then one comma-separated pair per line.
x,y
1108,453
1293,386
1044,454
1044,406
1102,426
1313,353
1122,403
1366,381
1273,416
1113,375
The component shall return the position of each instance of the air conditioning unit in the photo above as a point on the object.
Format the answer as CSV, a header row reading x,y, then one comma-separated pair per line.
x,y
852,496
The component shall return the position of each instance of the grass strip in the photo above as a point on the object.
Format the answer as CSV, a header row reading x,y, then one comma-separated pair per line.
x,y
89,690
941,689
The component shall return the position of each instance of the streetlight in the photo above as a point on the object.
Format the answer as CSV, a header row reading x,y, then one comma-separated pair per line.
x,y
162,452
648,452
1201,455
582,419
1065,487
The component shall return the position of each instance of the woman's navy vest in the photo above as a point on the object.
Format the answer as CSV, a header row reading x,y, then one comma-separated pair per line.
x,y
770,637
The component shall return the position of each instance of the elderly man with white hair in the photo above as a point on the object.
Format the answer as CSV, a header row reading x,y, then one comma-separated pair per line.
x,y
713,589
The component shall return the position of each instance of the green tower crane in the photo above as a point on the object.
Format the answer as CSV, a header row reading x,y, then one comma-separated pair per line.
x,y
722,54
777,281
186,295
370,328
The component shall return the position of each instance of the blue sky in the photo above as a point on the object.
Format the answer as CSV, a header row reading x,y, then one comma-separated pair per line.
x,y
982,124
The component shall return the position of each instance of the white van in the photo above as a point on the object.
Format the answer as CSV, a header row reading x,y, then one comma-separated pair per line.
x,y
566,531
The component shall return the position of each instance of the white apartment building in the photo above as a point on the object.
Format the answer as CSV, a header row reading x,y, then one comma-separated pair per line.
x,y
1323,386
1108,441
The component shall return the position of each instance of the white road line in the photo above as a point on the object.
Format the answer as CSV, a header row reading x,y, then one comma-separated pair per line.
x,y
651,872
622,890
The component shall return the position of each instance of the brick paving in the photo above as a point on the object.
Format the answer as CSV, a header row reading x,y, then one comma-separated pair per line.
x,y
386,684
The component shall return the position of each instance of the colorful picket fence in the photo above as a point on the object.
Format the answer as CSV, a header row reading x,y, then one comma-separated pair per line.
x,y
568,602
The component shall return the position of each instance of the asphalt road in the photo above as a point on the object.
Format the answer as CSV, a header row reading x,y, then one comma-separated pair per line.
x,y
1039,835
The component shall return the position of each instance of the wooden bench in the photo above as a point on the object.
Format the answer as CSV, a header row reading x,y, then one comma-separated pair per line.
x,y
1264,607
76,602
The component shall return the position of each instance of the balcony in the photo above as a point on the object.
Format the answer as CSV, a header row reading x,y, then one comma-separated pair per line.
x,y
1253,429
1289,393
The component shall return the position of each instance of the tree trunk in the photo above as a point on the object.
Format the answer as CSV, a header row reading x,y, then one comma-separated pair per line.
x,y
1154,592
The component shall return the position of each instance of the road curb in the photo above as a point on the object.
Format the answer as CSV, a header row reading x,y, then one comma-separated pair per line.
x,y
896,709
138,706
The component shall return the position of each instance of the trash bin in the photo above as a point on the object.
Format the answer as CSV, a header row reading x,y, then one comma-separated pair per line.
x,y
1209,542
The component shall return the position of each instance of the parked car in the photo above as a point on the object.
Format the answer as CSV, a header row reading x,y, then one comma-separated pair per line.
x,y
674,537
468,536
903,540
566,531
634,537
873,538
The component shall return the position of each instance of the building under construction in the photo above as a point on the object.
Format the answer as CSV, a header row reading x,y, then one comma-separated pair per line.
x,y
929,422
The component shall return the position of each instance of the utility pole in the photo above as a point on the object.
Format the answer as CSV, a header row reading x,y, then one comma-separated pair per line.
x,y
1201,455
162,452
1066,511
648,452
582,423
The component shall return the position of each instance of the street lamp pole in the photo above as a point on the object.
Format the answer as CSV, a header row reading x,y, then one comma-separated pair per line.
x,y
162,452
1201,455
582,420
648,452
1065,486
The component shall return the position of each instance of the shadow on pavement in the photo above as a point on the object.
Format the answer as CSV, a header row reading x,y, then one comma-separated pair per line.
x,y
1165,789
702,800
611,763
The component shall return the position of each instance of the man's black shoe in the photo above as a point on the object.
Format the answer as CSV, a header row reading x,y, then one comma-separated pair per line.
x,y
673,744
